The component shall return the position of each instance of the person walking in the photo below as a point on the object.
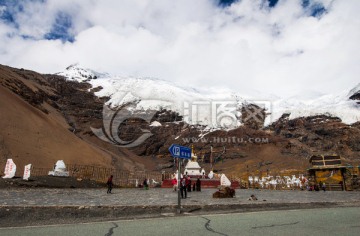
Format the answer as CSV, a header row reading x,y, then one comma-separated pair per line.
x,y
174,183
109,183
183,188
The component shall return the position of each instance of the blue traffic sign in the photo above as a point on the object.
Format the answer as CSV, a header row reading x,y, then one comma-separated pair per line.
x,y
180,151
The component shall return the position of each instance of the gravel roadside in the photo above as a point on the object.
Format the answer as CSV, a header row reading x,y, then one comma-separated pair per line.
x,y
46,206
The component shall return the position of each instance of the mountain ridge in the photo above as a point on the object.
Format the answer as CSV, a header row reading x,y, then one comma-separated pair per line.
x,y
173,96
284,145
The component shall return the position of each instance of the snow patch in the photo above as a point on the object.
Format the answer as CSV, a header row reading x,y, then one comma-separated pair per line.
x,y
155,94
155,124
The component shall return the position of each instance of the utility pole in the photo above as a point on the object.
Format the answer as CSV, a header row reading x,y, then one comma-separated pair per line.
x,y
179,185
211,157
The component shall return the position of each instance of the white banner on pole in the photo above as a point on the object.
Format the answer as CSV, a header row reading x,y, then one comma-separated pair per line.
x,y
27,170
10,169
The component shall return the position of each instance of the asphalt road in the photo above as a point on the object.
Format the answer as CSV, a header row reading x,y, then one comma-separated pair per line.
x,y
325,221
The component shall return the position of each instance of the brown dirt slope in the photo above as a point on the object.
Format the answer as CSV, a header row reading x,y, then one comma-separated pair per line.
x,y
33,130
29,135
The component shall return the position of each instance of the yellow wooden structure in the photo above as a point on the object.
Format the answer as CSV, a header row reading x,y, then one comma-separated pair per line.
x,y
328,169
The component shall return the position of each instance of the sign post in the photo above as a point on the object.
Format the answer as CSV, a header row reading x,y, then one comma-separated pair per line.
x,y
179,185
180,152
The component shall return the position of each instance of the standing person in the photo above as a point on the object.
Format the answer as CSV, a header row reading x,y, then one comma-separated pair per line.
x,y
174,183
198,185
323,187
183,188
188,184
110,184
145,183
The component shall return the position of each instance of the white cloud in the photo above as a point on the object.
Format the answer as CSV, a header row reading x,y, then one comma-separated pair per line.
x,y
281,50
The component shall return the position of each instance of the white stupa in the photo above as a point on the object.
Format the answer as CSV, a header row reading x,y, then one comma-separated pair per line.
x,y
59,169
193,168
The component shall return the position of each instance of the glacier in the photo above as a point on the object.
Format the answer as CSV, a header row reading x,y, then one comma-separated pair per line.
x,y
156,94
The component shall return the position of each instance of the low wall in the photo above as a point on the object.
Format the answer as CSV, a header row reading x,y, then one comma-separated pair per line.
x,y
205,183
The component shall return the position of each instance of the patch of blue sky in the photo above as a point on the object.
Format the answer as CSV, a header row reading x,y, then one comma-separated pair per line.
x,y
317,10
61,29
272,3
314,8
8,9
226,3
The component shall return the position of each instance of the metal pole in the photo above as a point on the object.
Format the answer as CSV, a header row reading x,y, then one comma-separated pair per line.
x,y
211,158
179,180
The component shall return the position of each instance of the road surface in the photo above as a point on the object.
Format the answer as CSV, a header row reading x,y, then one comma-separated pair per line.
x,y
324,221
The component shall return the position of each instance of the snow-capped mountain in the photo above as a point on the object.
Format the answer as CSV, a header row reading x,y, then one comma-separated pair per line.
x,y
201,105
334,105
76,73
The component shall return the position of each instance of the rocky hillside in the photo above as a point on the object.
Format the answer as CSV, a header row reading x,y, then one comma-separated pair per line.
x,y
285,145
355,94
45,118
40,116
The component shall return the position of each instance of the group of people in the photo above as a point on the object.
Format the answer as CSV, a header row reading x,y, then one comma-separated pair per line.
x,y
315,187
110,184
186,185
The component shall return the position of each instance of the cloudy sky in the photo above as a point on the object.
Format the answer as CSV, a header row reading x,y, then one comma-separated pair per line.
x,y
282,47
